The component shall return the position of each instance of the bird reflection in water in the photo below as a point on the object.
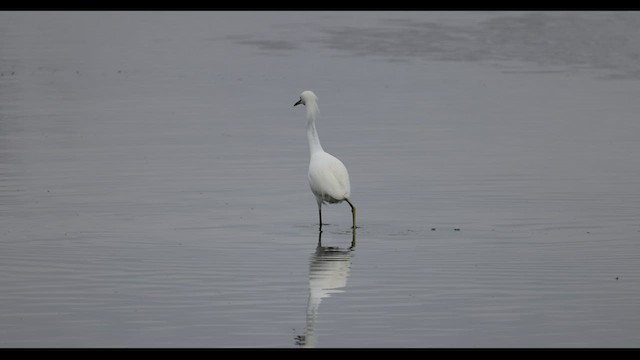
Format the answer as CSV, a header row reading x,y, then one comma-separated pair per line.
x,y
328,272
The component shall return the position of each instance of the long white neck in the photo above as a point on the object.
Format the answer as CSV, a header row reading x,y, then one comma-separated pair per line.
x,y
312,133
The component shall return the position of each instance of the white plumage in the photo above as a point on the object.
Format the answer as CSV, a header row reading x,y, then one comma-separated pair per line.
x,y
328,177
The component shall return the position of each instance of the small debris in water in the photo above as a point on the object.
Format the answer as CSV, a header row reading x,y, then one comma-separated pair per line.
x,y
456,229
433,229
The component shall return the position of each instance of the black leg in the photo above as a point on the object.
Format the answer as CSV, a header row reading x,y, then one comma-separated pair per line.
x,y
320,215
353,240
353,213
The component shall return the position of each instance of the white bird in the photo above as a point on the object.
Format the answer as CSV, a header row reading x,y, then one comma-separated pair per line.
x,y
328,177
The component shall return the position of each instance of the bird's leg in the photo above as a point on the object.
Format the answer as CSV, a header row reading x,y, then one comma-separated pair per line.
x,y
320,214
353,240
353,213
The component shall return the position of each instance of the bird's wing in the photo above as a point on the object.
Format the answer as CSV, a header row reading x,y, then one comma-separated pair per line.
x,y
329,177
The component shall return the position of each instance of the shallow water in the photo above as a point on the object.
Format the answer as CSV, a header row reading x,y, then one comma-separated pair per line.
x,y
153,186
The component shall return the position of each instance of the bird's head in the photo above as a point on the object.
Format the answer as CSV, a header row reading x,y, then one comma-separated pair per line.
x,y
306,97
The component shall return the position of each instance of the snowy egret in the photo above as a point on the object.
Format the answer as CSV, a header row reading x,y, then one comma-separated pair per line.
x,y
328,177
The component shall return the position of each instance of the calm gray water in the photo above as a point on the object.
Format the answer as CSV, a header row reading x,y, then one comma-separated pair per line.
x,y
153,186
